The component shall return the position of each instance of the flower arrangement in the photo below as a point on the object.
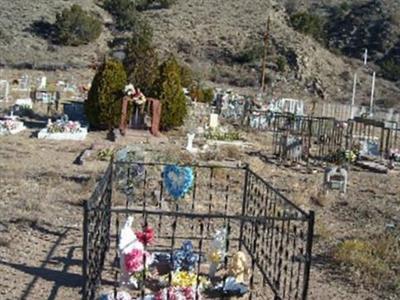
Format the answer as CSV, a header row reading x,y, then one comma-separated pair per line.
x,y
172,293
61,126
9,125
184,258
133,257
178,180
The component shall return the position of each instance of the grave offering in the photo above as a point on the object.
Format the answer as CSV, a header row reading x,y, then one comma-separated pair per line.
x,y
11,125
63,130
336,179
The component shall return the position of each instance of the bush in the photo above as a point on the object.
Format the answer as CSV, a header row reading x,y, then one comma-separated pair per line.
x,y
141,63
168,89
76,27
103,106
125,14
281,62
186,75
251,52
199,94
391,69
309,24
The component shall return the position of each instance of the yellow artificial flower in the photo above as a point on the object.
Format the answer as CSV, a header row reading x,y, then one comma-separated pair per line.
x,y
215,257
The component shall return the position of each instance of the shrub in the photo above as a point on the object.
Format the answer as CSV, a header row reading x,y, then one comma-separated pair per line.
x,y
103,106
204,95
309,24
251,52
125,14
75,27
186,75
141,63
168,89
390,68
281,62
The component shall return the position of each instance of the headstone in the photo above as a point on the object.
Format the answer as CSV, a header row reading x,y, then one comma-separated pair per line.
x,y
4,90
24,83
336,179
214,120
292,147
189,146
42,83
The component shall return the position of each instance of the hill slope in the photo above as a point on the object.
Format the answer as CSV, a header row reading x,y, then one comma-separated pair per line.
x,y
222,41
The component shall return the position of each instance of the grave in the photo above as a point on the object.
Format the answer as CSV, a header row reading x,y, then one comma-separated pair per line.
x,y
75,110
63,129
214,121
336,179
11,125
24,103
4,90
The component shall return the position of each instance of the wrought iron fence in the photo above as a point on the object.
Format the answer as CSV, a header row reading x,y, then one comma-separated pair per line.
x,y
275,234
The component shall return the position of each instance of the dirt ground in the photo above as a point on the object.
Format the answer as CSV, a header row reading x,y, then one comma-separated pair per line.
x,y
41,213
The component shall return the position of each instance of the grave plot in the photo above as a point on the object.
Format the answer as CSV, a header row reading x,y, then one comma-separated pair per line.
x,y
63,130
11,125
193,232
374,138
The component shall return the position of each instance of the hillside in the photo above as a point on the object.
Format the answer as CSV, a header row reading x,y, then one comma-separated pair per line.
x,y
222,42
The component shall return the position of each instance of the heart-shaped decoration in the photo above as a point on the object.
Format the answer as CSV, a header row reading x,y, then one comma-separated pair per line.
x,y
178,180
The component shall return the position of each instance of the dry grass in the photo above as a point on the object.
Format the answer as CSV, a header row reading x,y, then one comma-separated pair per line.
x,y
375,261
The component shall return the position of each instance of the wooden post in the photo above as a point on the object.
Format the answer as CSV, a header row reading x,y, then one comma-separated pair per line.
x,y
264,61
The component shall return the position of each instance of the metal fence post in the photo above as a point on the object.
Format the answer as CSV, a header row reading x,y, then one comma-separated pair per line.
x,y
244,203
307,266
85,246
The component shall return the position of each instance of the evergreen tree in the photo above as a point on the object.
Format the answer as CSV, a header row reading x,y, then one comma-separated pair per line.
x,y
141,61
104,103
168,89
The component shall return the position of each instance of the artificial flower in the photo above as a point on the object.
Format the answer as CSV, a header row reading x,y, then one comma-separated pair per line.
x,y
146,236
178,180
185,258
183,279
134,261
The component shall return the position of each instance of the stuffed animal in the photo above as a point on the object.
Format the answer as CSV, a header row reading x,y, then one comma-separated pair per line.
x,y
238,267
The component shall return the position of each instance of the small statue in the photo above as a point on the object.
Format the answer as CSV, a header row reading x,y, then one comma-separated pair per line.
x,y
238,267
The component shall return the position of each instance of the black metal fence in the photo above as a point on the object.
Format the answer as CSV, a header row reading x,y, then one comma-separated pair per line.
x,y
275,234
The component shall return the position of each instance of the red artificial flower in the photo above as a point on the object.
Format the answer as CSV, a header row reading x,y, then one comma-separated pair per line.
x,y
146,236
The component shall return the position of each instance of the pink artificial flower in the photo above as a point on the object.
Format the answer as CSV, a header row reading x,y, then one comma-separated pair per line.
x,y
146,236
134,260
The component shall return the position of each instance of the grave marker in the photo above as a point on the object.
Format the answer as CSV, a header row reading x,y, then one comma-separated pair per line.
x,y
336,179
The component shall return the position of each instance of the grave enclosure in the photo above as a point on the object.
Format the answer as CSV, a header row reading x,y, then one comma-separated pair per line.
x,y
304,137
274,233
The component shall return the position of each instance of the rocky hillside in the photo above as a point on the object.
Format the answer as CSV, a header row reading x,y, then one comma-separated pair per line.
x,y
222,42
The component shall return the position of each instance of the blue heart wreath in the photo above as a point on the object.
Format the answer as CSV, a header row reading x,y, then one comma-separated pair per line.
x,y
178,180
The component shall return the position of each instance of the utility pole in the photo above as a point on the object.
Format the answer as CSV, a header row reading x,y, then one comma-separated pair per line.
x,y
264,61
353,99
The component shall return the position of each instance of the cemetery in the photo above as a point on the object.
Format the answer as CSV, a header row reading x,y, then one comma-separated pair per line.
x,y
239,201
